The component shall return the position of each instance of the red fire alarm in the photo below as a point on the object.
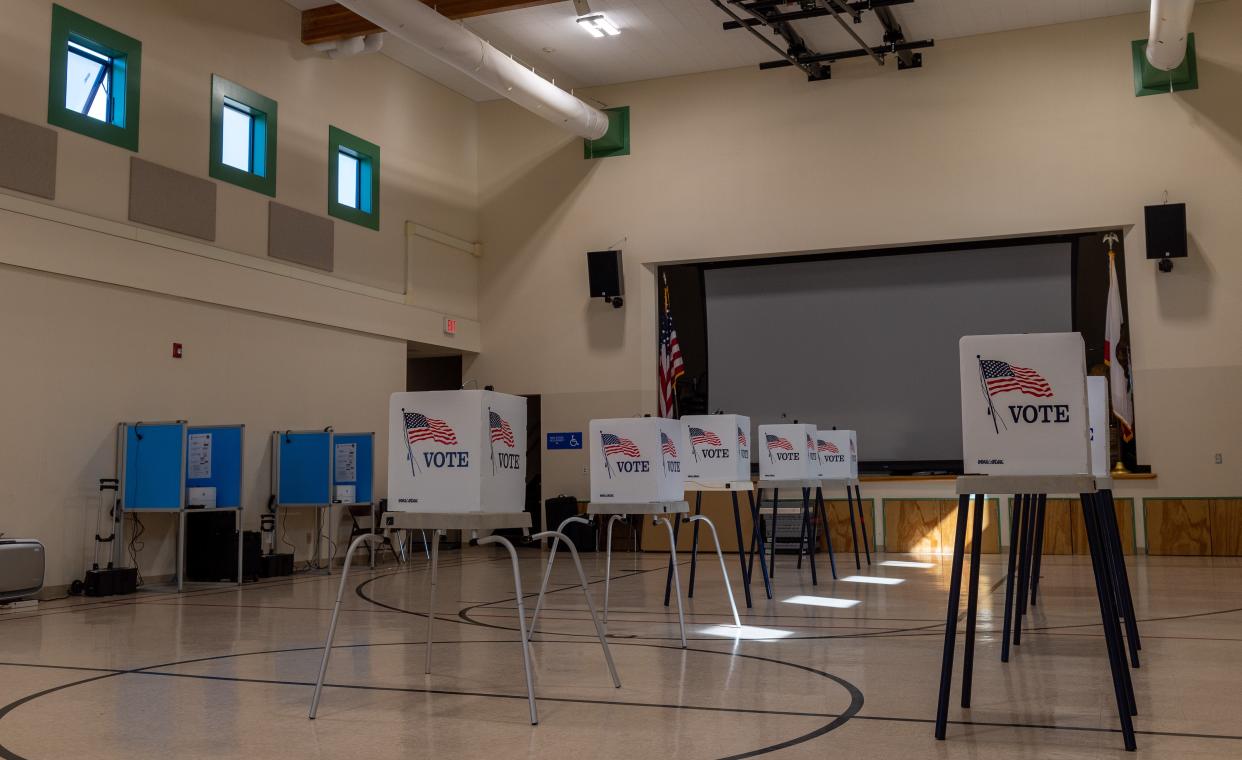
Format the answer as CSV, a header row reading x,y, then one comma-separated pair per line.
x,y
450,326
176,350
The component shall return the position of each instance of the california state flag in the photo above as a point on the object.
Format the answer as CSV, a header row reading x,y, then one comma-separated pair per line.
x,y
1118,372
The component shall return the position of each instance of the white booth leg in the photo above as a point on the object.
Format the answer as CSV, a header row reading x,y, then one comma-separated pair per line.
x,y
608,565
517,585
336,613
737,620
557,536
431,601
599,629
672,550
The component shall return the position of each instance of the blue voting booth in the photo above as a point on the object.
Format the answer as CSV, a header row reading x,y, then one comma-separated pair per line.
x,y
302,477
353,468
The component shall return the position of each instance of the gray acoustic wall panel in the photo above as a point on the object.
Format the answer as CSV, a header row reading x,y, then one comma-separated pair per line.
x,y
171,200
27,157
300,237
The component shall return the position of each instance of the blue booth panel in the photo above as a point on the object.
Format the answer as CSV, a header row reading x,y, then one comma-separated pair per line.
x,y
304,477
153,472
225,467
364,465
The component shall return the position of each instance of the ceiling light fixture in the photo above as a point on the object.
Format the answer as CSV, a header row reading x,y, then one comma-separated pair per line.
x,y
598,25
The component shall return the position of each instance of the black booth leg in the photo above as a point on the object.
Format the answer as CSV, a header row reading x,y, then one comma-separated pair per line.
x,y
950,618
862,520
1037,560
823,518
1015,519
1125,602
776,492
802,534
668,579
808,525
1108,616
849,498
758,536
1024,566
741,549
972,598
694,542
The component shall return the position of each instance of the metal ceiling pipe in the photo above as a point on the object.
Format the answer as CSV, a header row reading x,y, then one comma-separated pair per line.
x,y
452,43
1166,38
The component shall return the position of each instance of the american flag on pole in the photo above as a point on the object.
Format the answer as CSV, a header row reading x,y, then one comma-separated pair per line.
x,y
1001,377
776,442
666,445
701,437
419,427
615,444
500,430
671,366
828,447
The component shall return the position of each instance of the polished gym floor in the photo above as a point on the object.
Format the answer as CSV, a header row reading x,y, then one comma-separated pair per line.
x,y
228,673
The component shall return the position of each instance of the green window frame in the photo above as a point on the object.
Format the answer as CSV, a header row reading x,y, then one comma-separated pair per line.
x,y
366,162
261,174
119,80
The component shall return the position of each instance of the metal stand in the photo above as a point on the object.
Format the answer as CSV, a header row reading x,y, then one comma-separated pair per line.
x,y
699,489
1019,559
474,522
809,536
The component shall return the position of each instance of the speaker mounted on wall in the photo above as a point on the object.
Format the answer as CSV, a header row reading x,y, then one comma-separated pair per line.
x,y
606,278
1166,233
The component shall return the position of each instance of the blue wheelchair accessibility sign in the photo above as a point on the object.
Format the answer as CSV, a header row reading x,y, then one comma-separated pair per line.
x,y
564,441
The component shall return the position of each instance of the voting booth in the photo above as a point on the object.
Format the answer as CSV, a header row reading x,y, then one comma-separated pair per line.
x,y
715,448
1097,408
1024,404
788,452
835,460
456,451
636,460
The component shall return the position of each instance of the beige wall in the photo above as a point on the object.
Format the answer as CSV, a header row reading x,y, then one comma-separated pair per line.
x,y
90,302
1017,133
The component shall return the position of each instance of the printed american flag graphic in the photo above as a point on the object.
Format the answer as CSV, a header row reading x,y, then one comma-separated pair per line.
x,y
666,445
420,427
776,442
1001,377
828,447
701,437
810,445
500,430
615,444
741,438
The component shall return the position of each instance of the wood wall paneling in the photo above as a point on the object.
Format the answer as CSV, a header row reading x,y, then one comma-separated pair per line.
x,y
1226,525
1179,527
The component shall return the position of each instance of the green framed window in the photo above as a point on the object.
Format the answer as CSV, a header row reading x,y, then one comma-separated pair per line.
x,y
353,178
94,81
243,136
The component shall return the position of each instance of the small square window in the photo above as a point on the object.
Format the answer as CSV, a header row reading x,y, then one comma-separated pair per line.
x,y
94,79
243,137
353,178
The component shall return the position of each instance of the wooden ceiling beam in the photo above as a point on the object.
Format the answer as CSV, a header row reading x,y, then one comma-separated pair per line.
x,y
336,22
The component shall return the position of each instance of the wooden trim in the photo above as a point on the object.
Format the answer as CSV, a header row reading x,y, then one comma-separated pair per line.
x,y
329,23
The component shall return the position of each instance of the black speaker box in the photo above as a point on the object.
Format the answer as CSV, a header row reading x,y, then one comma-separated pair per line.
x,y
604,271
275,565
211,549
1166,230
110,581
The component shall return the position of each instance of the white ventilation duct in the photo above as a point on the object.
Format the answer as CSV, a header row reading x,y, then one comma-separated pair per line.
x,y
348,48
1166,38
419,25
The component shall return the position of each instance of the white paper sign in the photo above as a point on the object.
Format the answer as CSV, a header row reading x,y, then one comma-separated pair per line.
x,y
456,451
204,496
834,454
1024,404
636,460
715,448
1097,403
346,463
198,456
346,494
788,452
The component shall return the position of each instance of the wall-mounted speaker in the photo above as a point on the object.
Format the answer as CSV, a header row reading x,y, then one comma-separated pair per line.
x,y
604,272
1166,231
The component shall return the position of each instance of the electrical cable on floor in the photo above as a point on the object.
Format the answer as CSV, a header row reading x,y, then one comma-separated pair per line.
x,y
136,546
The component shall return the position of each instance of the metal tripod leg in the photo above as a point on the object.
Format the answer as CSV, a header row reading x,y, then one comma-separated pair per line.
x,y
672,553
608,565
862,520
517,586
557,536
336,614
737,620
431,600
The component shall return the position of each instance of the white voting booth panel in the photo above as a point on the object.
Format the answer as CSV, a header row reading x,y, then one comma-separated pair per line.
x,y
787,452
1024,404
456,451
715,448
834,454
636,460
1097,404
853,454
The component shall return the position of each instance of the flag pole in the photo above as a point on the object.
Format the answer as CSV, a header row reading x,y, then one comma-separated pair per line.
x,y
607,466
491,442
987,394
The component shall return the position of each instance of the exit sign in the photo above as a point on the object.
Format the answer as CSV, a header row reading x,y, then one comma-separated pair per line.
x,y
450,326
